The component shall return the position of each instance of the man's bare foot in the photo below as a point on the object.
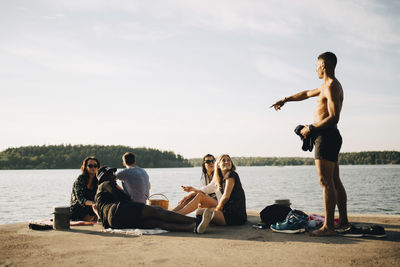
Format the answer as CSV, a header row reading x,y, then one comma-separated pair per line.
x,y
323,232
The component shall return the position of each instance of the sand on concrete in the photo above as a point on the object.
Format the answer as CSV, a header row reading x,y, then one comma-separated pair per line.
x,y
219,246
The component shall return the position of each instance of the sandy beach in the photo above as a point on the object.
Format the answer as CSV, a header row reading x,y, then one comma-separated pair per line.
x,y
219,246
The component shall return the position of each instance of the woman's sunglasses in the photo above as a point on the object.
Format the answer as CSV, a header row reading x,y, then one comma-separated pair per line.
x,y
93,166
209,161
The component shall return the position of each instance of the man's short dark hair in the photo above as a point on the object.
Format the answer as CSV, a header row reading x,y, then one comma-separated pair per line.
x,y
329,58
129,158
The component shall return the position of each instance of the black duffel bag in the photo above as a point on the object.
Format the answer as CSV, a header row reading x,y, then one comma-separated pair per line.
x,y
274,213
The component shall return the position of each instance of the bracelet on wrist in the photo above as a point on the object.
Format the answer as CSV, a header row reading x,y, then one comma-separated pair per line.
x,y
311,127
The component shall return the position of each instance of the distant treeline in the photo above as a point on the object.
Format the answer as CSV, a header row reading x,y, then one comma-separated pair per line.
x,y
354,158
71,157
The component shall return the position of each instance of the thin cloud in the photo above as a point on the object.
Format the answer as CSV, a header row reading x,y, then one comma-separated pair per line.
x,y
360,23
352,98
65,56
365,24
280,70
56,16
133,31
355,22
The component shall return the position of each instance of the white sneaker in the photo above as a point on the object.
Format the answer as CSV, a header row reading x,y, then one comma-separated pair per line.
x,y
205,221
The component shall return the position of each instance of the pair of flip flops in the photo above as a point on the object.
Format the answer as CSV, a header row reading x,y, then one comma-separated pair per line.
x,y
372,231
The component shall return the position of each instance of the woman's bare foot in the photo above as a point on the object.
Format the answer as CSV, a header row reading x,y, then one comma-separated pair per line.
x,y
323,232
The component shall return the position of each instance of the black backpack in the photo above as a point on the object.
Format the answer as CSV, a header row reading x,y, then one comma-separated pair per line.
x,y
274,213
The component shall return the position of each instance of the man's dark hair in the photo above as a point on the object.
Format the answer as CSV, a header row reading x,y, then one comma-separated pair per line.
x,y
329,58
129,158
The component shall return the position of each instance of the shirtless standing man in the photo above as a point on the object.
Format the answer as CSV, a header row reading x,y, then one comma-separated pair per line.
x,y
327,140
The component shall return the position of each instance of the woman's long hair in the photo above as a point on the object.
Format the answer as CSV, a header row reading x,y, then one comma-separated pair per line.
x,y
85,163
218,172
204,170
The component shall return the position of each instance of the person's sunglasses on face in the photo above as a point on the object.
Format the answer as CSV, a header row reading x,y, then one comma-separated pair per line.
x,y
92,166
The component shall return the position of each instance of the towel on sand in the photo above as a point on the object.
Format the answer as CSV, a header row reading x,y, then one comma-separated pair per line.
x,y
135,232
47,224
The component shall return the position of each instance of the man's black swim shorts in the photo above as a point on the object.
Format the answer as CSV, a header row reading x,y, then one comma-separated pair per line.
x,y
327,144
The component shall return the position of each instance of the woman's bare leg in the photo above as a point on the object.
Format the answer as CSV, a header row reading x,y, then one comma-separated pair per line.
x,y
204,200
182,204
218,218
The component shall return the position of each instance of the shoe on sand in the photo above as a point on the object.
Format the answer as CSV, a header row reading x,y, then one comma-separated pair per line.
x,y
341,229
352,232
205,221
289,228
199,218
293,224
374,231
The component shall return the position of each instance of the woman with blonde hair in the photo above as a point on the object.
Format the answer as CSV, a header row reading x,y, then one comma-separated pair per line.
x,y
231,207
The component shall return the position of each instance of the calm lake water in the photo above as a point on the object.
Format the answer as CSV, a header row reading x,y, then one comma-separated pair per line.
x,y
31,194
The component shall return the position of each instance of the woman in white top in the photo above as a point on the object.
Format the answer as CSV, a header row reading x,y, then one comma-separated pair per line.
x,y
206,200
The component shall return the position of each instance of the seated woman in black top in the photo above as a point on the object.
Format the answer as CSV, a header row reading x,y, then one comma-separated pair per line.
x,y
231,208
116,210
83,191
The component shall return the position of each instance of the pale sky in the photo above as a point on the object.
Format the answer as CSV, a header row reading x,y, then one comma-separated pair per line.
x,y
194,77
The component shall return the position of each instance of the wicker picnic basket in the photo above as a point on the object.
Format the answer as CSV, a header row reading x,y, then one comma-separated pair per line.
x,y
163,203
